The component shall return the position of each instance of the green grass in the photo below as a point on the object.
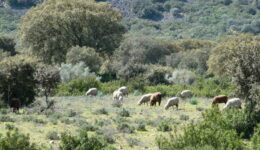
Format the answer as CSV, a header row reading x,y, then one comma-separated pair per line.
x,y
106,122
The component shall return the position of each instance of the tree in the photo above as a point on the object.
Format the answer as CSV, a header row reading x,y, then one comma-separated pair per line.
x,y
131,58
48,78
17,80
51,28
84,54
239,57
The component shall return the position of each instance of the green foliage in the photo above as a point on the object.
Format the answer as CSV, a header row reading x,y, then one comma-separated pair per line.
x,y
7,44
34,119
52,135
256,138
17,78
70,23
16,140
69,72
101,111
77,87
141,127
84,54
184,117
9,20
213,131
156,75
125,128
6,118
22,3
164,126
82,142
133,55
193,101
124,113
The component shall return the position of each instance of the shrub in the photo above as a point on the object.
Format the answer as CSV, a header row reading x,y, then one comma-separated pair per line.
x,y
256,138
184,117
132,141
83,141
181,77
125,128
141,127
77,87
164,127
72,113
17,80
34,119
108,133
101,111
117,104
193,101
5,118
212,132
84,54
88,127
109,87
200,108
9,126
124,113
16,140
156,75
52,135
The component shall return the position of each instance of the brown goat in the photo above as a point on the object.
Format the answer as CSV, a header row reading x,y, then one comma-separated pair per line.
x,y
156,97
15,103
219,99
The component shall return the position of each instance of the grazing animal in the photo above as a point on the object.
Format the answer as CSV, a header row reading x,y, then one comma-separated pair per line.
x,y
234,102
92,92
118,95
186,94
219,99
124,90
156,97
144,99
15,103
171,102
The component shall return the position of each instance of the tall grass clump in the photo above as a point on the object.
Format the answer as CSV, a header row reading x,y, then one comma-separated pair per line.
x,y
214,132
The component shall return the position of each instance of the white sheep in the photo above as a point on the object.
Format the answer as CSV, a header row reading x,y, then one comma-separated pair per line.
x,y
186,94
144,99
234,102
124,90
92,92
118,95
171,102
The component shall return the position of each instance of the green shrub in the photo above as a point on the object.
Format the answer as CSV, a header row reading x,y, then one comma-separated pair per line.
x,y
125,128
9,126
141,127
5,118
72,113
33,119
184,117
52,135
82,142
256,138
193,101
101,111
109,87
164,126
213,132
77,87
132,142
124,113
88,127
14,140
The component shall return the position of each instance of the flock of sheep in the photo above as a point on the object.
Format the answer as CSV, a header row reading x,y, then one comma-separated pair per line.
x,y
154,98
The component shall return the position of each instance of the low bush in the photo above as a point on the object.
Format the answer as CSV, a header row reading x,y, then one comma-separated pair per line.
x,y
132,141
52,135
14,140
193,101
164,127
72,113
184,117
102,111
33,119
124,113
9,126
213,132
6,118
256,138
141,127
83,141
125,128
77,87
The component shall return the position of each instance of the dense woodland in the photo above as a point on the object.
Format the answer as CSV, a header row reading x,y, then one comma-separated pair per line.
x,y
64,47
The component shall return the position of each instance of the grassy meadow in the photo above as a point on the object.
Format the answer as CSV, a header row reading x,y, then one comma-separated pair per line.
x,y
128,127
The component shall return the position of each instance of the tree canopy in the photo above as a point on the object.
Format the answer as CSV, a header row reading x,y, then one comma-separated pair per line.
x,y
51,28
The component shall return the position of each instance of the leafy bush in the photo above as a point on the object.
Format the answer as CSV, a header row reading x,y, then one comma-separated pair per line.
x,y
6,118
9,126
72,113
125,128
256,138
124,113
193,101
34,119
69,72
132,141
141,127
52,135
17,78
77,87
101,111
156,75
184,117
84,54
16,140
83,141
213,132
164,126
181,77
